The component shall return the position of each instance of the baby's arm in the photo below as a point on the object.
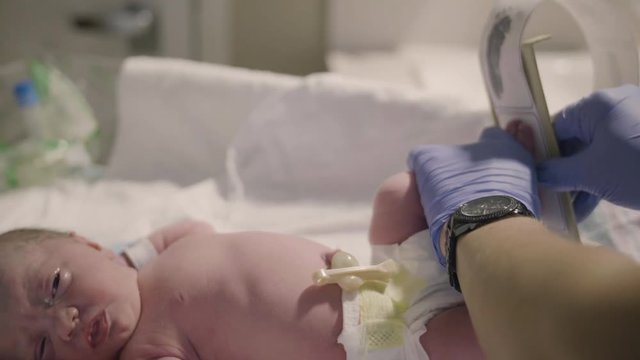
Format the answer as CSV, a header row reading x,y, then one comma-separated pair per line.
x,y
144,250
168,235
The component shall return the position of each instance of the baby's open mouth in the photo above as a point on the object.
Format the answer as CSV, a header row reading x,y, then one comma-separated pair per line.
x,y
97,330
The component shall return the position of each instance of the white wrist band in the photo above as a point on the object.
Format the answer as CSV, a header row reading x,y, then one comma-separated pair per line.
x,y
140,253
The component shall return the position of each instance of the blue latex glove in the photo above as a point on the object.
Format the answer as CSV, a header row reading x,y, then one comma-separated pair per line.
x,y
600,139
449,176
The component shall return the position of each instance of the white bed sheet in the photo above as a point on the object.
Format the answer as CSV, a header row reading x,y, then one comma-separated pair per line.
x,y
114,213
109,212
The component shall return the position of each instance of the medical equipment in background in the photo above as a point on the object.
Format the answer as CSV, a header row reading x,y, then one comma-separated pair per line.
x,y
58,128
514,87
135,21
89,40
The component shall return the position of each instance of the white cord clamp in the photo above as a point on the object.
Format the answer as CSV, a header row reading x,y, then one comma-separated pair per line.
x,y
140,253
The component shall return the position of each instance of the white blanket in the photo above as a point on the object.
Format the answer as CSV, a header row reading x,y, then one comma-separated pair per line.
x,y
309,161
109,212
177,117
332,139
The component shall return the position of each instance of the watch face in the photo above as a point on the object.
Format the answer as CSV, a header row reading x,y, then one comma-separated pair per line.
x,y
487,206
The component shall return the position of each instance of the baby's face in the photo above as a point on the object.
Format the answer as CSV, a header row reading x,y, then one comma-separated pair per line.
x,y
68,300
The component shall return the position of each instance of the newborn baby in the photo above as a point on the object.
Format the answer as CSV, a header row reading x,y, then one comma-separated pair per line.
x,y
209,295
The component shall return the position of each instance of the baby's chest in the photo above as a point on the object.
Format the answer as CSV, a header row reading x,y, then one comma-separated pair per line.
x,y
217,309
194,331
162,333
171,301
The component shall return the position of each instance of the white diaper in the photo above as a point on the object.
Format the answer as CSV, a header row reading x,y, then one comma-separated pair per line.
x,y
400,340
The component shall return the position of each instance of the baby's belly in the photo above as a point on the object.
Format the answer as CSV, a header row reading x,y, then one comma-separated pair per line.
x,y
250,296
254,335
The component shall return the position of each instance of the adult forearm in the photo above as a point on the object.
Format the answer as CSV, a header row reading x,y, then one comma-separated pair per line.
x,y
534,295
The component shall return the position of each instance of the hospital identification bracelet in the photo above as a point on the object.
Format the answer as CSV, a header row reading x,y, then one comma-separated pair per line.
x,y
140,253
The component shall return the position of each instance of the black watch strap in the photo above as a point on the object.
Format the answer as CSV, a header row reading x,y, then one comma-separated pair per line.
x,y
455,231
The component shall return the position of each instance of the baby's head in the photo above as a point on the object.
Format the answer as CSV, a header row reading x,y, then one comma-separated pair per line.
x,y
63,297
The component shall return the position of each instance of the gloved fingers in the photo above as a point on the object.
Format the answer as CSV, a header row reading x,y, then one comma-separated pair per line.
x,y
411,158
580,119
584,204
496,143
571,146
495,133
420,154
563,174
574,122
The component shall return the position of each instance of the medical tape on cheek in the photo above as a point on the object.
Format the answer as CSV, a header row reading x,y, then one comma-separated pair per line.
x,y
140,253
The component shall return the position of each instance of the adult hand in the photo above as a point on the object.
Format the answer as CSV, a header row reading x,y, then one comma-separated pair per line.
x,y
449,176
600,139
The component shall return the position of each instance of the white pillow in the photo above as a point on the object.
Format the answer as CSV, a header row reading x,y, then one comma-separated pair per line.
x,y
332,139
177,117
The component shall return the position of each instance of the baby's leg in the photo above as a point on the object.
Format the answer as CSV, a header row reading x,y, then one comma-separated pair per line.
x,y
397,215
397,212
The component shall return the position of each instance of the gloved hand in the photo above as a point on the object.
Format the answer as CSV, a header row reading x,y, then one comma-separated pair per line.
x,y
449,176
600,139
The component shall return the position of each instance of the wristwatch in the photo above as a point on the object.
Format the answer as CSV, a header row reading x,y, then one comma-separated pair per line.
x,y
473,215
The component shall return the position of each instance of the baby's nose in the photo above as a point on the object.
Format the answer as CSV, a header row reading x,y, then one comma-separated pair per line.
x,y
66,322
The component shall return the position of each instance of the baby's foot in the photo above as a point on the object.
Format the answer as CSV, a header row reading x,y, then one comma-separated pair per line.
x,y
523,133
